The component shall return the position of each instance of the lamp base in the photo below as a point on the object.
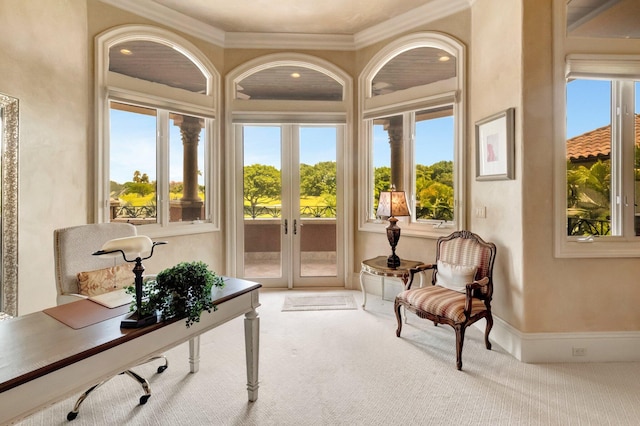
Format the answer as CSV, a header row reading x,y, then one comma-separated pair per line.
x,y
132,321
393,261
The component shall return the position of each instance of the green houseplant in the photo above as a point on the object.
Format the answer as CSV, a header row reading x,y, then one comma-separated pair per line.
x,y
181,291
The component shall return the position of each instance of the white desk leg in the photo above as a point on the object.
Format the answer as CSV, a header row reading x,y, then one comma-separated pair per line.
x,y
364,291
252,349
194,354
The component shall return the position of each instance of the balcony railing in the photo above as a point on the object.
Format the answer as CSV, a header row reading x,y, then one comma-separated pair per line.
x,y
276,211
577,226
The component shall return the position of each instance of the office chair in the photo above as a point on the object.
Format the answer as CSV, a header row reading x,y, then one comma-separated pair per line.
x,y
73,248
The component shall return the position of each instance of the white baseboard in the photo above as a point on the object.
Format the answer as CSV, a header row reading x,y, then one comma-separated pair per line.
x,y
613,346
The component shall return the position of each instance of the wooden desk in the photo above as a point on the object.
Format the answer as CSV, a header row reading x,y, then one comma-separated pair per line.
x,y
43,361
378,266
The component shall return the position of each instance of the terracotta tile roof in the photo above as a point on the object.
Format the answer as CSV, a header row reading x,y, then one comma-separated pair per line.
x,y
595,144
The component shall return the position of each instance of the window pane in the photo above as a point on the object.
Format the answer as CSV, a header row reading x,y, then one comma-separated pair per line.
x,y
433,168
157,63
132,164
588,152
289,83
186,168
415,67
384,131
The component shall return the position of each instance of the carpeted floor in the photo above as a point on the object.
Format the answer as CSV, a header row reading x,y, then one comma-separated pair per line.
x,y
347,367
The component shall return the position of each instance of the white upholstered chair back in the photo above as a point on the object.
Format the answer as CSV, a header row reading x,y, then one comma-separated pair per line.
x,y
72,251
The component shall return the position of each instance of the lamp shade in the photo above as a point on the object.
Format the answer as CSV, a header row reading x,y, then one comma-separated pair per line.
x,y
139,245
392,204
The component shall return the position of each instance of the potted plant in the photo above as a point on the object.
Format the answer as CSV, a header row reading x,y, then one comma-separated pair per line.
x,y
181,291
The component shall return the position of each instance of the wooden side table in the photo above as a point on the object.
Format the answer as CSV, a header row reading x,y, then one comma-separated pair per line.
x,y
378,267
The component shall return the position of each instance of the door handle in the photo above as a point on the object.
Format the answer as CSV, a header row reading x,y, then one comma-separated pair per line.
x,y
286,227
295,227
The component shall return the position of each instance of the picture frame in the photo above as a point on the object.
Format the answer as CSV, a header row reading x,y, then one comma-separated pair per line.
x,y
495,147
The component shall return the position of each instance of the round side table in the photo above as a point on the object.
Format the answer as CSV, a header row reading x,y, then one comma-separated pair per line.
x,y
378,267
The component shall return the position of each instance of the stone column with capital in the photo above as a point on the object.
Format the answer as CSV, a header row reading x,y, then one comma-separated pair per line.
x,y
394,129
189,207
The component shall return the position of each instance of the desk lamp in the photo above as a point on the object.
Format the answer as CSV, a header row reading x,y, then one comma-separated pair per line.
x,y
393,203
133,249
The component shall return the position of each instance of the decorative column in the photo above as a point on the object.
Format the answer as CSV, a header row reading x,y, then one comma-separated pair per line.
x,y
189,207
394,129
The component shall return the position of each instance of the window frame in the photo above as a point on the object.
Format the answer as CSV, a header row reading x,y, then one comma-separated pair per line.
x,y
407,102
111,86
621,70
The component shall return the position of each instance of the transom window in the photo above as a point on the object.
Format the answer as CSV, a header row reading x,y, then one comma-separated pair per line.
x,y
156,132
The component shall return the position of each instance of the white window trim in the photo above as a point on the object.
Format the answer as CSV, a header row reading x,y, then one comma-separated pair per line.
x,y
121,88
420,98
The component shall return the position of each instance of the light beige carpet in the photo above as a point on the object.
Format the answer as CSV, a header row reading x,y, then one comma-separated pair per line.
x,y
319,302
347,367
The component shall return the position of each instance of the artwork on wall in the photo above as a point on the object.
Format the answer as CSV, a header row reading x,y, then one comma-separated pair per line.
x,y
495,148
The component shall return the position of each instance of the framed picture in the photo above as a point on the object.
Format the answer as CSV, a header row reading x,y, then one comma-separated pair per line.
x,y
495,146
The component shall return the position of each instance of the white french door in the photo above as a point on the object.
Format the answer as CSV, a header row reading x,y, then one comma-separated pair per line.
x,y
290,224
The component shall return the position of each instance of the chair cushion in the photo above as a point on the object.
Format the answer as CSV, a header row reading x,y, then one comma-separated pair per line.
x,y
100,281
455,277
441,301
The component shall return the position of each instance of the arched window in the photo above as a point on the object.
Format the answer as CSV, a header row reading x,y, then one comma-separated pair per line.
x,y
157,150
411,97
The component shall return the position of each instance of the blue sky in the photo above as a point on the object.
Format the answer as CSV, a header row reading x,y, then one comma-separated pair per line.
x,y
133,141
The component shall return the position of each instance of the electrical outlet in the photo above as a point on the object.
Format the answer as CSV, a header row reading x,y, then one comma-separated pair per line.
x,y
481,212
579,351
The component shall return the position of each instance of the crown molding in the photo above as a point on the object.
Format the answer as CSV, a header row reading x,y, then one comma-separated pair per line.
x,y
424,14
169,17
430,12
288,41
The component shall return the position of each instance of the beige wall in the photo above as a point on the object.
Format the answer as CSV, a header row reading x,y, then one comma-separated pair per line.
x,y
46,61
43,63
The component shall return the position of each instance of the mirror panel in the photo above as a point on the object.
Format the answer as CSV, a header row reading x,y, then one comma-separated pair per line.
x,y
9,205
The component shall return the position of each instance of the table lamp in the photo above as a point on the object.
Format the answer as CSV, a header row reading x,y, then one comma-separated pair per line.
x,y
393,203
133,249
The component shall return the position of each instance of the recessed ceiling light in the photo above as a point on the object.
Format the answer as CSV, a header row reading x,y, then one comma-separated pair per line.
x,y
444,58
295,75
126,52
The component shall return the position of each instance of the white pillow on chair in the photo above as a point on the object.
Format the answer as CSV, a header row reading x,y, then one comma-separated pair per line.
x,y
455,277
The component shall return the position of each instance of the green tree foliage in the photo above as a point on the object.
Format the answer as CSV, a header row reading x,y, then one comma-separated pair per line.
x,y
139,188
589,190
318,180
382,181
262,184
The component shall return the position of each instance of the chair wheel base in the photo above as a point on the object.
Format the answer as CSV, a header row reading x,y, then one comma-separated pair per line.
x,y
71,415
144,399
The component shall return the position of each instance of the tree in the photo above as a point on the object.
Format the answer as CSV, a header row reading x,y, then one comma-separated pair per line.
x,y
262,183
319,179
382,182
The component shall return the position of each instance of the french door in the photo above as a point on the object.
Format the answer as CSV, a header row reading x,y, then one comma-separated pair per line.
x,y
291,228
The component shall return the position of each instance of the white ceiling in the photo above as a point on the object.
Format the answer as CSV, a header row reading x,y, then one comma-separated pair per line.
x,y
348,24
293,16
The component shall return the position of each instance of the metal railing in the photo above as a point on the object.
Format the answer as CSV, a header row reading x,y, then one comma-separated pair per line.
x,y
134,212
577,226
276,211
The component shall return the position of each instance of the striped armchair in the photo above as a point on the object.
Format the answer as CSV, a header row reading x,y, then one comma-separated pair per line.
x,y
461,290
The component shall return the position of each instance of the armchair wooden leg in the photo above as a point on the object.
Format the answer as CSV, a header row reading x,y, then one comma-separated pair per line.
x,y
488,330
397,307
459,343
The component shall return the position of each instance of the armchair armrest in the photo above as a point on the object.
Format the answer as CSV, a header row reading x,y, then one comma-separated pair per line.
x,y
417,270
469,293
